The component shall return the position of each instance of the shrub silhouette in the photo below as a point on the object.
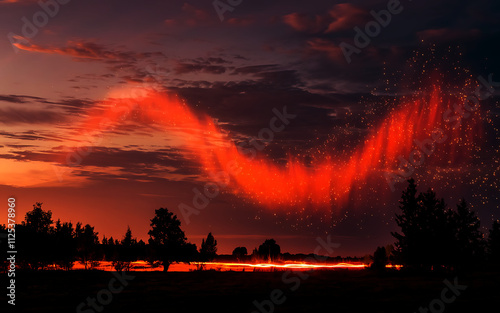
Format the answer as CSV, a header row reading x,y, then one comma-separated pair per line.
x,y
239,253
269,250
379,259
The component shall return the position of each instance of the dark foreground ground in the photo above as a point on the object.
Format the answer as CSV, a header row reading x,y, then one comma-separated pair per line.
x,y
323,291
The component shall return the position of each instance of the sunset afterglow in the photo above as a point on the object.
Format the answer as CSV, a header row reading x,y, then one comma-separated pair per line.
x,y
250,156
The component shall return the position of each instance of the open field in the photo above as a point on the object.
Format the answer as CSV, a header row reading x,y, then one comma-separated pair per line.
x,y
212,291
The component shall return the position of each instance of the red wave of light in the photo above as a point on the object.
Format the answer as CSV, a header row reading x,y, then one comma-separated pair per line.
x,y
327,181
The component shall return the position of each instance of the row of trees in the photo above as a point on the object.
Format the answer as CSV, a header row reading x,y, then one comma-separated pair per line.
x,y
44,244
40,242
434,236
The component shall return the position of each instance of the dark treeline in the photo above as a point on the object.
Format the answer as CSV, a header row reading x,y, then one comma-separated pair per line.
x,y
432,237
436,237
42,244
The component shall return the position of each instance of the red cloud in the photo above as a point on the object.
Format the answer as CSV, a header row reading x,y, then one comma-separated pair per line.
x,y
333,51
304,23
83,50
17,1
191,17
170,22
241,21
341,17
197,16
346,16
446,34
75,49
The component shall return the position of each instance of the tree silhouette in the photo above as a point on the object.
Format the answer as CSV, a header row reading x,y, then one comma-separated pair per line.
x,y
407,250
379,259
34,235
65,245
109,249
470,243
255,255
126,252
240,252
436,239
494,243
4,246
87,243
38,220
127,240
269,250
208,249
167,239
140,248
433,236
427,238
389,252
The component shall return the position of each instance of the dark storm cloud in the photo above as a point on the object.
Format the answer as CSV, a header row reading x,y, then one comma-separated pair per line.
x,y
19,98
42,110
93,51
11,116
149,163
184,68
319,36
245,108
73,105
209,65
30,136
19,146
311,31
130,66
255,69
340,17
139,177
283,78
138,161
247,105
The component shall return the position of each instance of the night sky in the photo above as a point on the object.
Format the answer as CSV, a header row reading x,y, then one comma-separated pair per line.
x,y
182,84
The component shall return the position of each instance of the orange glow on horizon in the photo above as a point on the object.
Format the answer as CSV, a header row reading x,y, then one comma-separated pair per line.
x,y
229,266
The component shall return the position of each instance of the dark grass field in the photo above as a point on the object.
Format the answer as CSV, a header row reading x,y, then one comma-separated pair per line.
x,y
211,291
